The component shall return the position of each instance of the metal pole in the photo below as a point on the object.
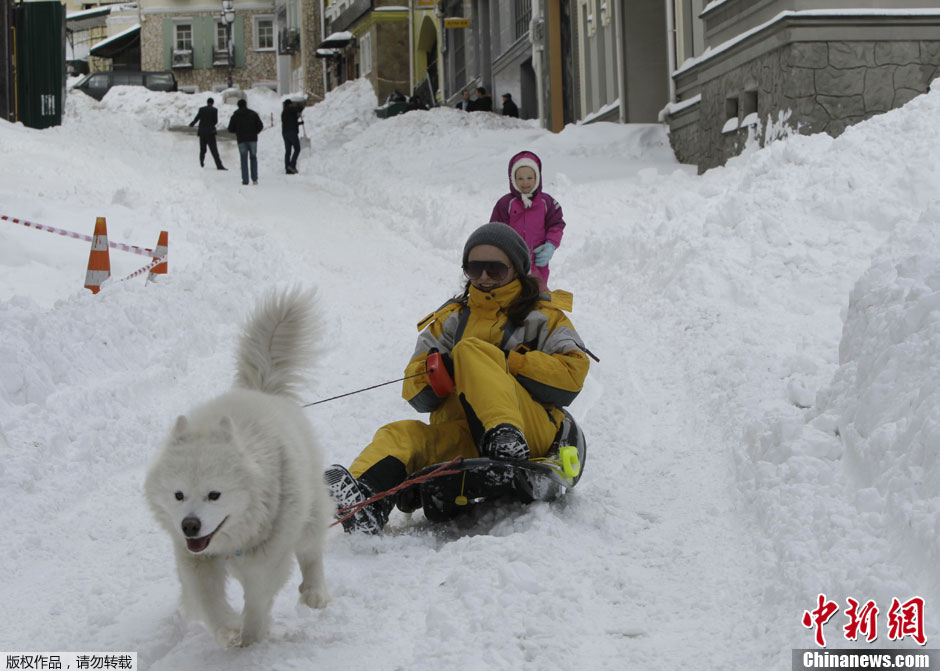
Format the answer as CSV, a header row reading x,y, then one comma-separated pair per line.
x,y
618,17
228,37
411,48
671,47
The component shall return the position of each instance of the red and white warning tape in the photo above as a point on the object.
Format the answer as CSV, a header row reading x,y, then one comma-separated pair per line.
x,y
143,251
150,266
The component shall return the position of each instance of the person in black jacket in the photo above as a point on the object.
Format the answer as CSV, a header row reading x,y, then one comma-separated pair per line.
x,y
207,117
509,107
483,102
290,127
246,124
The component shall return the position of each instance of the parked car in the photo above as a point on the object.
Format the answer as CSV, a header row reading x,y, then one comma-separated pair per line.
x,y
97,84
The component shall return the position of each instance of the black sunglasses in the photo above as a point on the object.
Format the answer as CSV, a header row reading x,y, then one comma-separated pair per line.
x,y
496,270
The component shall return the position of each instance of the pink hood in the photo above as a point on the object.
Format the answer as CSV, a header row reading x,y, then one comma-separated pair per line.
x,y
531,160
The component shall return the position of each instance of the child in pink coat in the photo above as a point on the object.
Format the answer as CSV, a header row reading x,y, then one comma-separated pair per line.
x,y
532,213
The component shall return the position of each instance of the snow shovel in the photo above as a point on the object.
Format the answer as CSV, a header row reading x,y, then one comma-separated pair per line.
x,y
304,140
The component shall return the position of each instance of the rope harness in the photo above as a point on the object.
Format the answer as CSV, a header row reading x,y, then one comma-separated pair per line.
x,y
349,511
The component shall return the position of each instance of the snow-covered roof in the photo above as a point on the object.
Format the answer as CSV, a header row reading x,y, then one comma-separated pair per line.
x,y
88,13
115,38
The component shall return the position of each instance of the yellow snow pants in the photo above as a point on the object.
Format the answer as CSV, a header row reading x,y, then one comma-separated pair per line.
x,y
483,383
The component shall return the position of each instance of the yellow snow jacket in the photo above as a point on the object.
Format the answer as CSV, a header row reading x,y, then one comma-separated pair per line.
x,y
544,353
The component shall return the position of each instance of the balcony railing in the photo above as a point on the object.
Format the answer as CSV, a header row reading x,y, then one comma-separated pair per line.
x,y
182,58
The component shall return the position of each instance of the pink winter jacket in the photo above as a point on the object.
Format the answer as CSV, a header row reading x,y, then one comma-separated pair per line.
x,y
537,217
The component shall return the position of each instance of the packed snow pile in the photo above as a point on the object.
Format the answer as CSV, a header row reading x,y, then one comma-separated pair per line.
x,y
344,113
859,467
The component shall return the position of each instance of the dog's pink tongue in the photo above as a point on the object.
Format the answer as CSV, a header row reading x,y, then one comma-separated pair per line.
x,y
197,544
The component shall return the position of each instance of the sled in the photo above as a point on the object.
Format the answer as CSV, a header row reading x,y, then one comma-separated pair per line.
x,y
473,482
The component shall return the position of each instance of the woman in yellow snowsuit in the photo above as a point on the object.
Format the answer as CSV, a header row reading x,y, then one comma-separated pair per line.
x,y
513,359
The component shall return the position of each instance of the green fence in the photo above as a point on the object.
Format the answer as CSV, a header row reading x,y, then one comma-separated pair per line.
x,y
40,62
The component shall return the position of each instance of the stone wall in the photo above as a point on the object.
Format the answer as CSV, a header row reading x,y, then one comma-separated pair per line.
x,y
825,87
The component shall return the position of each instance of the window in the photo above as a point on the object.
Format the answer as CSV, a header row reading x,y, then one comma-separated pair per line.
x,y
126,79
749,108
220,45
264,33
731,108
99,82
365,53
523,14
184,37
221,37
731,115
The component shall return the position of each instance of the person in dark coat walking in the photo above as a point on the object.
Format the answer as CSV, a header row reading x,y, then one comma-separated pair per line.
x,y
290,127
246,124
483,102
509,107
207,117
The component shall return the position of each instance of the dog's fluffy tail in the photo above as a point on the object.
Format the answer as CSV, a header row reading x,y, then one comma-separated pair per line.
x,y
278,343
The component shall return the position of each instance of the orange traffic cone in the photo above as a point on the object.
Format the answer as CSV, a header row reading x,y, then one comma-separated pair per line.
x,y
159,253
99,260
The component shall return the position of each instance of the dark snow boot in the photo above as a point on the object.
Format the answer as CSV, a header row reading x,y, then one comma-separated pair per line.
x,y
504,442
347,491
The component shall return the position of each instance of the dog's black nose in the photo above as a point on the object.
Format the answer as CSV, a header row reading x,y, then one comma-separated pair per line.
x,y
191,526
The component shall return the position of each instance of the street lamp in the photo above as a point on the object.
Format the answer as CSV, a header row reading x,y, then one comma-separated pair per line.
x,y
228,16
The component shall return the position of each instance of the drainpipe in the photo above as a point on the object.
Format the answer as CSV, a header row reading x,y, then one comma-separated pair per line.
x,y
441,53
621,60
555,100
411,48
324,63
671,46
486,57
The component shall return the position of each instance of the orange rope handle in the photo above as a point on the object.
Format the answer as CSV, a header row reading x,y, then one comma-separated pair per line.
x,y
437,472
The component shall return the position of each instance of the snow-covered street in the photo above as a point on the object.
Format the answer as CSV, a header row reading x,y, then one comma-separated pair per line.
x,y
762,427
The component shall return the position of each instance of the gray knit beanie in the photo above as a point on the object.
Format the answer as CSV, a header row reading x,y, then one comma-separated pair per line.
x,y
505,238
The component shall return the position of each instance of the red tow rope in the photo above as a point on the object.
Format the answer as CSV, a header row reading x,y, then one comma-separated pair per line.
x,y
437,472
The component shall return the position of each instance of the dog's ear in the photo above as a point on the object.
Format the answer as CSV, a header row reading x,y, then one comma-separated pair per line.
x,y
179,429
227,429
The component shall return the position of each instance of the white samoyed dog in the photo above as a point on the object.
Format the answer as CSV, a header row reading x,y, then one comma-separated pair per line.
x,y
239,485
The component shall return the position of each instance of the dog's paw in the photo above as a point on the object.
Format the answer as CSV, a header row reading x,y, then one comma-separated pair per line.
x,y
228,637
314,597
251,635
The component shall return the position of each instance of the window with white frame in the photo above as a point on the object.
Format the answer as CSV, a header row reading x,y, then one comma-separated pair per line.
x,y
365,53
221,36
264,33
184,37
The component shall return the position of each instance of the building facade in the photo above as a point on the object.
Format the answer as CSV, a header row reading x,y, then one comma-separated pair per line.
x,y
563,61
267,43
299,29
491,48
371,39
807,66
